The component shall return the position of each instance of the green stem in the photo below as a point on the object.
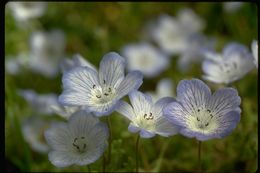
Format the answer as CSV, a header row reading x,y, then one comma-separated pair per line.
x,y
89,169
199,156
109,140
104,163
136,153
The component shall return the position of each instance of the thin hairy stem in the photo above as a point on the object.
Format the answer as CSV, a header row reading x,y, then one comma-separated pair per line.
x,y
136,153
199,156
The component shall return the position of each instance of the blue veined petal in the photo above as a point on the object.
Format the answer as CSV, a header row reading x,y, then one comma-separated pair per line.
x,y
234,49
111,69
146,134
61,159
224,100
77,85
99,133
81,61
165,128
132,81
133,128
103,109
193,93
161,104
140,102
126,110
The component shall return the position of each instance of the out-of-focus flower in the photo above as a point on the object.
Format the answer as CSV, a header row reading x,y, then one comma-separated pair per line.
x,y
33,129
232,6
145,58
234,62
40,103
99,91
172,33
81,141
164,88
14,65
202,115
76,61
254,47
26,10
47,50
65,111
146,116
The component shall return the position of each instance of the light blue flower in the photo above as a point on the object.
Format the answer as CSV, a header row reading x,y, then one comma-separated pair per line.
x,y
146,116
145,58
254,47
81,141
201,114
99,91
234,63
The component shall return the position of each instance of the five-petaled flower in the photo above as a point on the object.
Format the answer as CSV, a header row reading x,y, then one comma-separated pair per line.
x,y
99,91
81,141
201,114
146,116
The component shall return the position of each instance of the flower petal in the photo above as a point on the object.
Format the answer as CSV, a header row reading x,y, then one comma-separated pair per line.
x,y
133,128
165,128
126,110
77,84
99,134
61,158
146,134
161,104
224,100
193,93
131,82
111,69
141,102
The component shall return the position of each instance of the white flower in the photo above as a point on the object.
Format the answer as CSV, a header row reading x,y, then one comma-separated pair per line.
x,y
47,50
232,6
76,61
146,116
254,47
26,10
40,103
99,91
145,58
234,62
164,88
33,131
172,33
65,111
14,65
81,141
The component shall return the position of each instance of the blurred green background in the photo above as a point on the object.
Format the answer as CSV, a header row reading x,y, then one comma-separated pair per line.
x,y
93,29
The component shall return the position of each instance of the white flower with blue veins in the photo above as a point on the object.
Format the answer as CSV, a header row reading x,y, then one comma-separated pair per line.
x,y
99,91
164,88
145,58
254,47
201,114
40,103
47,50
234,63
81,141
147,117
76,61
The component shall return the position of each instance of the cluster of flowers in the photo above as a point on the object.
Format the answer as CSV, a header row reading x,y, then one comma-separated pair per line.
x,y
89,93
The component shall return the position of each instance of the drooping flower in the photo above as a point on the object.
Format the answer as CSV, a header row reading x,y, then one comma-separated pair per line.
x,y
40,103
164,88
201,114
145,58
47,50
81,141
99,91
254,47
234,63
26,10
147,117
172,33
76,61
33,129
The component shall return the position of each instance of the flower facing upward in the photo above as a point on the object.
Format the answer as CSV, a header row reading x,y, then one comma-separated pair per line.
x,y
99,91
146,116
254,47
81,141
201,114
235,62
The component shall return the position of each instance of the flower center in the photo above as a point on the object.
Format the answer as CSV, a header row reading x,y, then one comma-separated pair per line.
x,y
79,143
103,94
146,121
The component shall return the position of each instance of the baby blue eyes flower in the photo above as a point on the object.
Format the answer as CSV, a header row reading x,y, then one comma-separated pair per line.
x,y
254,47
234,62
201,114
145,58
99,91
81,141
146,116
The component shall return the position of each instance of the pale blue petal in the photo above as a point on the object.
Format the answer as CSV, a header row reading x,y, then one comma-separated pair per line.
x,y
131,82
161,104
141,102
111,69
99,134
165,128
125,109
133,128
61,159
77,85
146,134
